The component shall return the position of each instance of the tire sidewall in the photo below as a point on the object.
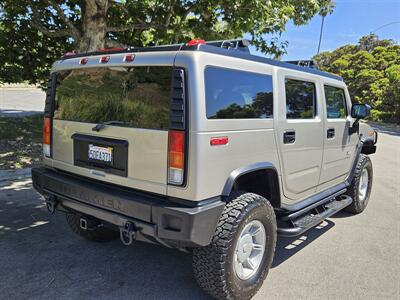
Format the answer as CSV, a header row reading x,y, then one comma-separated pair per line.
x,y
240,287
361,204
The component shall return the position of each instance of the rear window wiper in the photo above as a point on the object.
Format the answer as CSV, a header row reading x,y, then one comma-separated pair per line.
x,y
100,126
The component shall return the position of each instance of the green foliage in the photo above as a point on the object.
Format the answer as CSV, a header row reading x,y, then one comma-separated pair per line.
x,y
34,33
371,69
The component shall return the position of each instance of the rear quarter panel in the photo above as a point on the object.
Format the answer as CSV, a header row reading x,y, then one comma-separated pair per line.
x,y
250,140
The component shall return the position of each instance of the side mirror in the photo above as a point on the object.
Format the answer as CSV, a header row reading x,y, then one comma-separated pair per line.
x,y
360,111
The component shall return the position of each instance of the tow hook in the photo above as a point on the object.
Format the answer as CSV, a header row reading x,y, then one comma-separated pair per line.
x,y
127,233
51,204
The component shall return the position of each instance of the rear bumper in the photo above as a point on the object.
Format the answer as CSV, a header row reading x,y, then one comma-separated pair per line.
x,y
157,218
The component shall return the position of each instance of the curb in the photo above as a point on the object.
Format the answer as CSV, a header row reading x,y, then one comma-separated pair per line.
x,y
9,175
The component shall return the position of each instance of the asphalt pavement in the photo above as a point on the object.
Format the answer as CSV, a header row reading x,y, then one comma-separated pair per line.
x,y
18,102
346,257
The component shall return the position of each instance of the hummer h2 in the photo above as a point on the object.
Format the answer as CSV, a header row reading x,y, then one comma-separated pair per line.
x,y
204,148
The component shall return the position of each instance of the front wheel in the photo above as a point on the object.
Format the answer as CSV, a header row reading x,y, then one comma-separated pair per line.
x,y
238,259
360,188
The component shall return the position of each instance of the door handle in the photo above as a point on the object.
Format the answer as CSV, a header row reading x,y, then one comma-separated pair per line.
x,y
289,136
330,133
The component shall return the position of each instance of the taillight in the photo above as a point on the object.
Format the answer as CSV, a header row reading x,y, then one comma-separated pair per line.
x,y
176,156
46,136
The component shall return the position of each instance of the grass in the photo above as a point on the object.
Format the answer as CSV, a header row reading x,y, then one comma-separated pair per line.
x,y
20,142
21,128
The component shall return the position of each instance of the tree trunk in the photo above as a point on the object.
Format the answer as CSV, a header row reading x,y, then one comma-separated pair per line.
x,y
94,25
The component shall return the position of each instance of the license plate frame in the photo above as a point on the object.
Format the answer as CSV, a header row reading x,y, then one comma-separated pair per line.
x,y
119,162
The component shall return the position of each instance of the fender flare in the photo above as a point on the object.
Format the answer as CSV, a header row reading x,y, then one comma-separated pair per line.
x,y
237,173
363,146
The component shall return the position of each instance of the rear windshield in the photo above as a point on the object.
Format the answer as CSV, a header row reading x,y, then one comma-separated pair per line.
x,y
132,96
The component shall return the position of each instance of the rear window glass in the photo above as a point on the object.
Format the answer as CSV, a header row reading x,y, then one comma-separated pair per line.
x,y
134,96
232,94
300,99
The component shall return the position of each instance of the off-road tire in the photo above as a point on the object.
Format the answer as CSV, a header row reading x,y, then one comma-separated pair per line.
x,y
358,205
213,264
98,234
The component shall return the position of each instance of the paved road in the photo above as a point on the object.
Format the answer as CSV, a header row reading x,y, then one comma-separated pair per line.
x,y
346,257
17,102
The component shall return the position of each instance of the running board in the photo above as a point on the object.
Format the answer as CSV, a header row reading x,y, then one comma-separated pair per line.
x,y
305,219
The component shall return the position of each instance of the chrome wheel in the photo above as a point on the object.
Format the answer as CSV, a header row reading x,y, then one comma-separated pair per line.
x,y
363,185
249,250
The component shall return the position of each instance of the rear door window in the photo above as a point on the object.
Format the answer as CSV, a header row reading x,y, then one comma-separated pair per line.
x,y
335,102
131,96
233,94
300,99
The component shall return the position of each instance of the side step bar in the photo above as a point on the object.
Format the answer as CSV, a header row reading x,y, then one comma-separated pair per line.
x,y
307,218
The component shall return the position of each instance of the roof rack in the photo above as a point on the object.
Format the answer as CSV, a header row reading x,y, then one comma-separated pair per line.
x,y
303,63
237,44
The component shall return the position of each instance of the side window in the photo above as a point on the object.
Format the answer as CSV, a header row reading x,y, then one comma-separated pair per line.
x,y
232,94
300,99
335,102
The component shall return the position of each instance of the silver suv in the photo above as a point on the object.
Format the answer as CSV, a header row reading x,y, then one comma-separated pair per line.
x,y
202,147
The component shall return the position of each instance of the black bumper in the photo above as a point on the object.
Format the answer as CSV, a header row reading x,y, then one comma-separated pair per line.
x,y
157,218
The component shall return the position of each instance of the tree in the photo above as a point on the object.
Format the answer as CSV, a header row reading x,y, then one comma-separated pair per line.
x,y
35,32
371,69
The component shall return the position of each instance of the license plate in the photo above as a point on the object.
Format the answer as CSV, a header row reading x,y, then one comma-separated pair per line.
x,y
103,154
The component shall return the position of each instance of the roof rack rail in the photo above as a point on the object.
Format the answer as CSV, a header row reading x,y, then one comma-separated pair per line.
x,y
303,63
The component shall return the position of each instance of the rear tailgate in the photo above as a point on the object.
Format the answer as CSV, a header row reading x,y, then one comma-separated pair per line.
x,y
110,121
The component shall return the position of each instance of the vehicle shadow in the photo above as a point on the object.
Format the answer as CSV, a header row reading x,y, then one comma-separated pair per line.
x,y
342,214
42,258
286,247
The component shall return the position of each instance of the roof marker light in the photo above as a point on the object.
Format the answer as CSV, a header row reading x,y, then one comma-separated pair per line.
x,y
195,42
104,59
129,57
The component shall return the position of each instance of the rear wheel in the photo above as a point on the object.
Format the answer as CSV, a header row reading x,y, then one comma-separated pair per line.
x,y
360,188
238,259
95,229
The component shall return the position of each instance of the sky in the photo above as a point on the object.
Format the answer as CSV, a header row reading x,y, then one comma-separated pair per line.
x,y
350,20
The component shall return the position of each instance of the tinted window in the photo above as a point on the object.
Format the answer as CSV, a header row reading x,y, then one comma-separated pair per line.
x,y
300,99
232,94
335,102
138,97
